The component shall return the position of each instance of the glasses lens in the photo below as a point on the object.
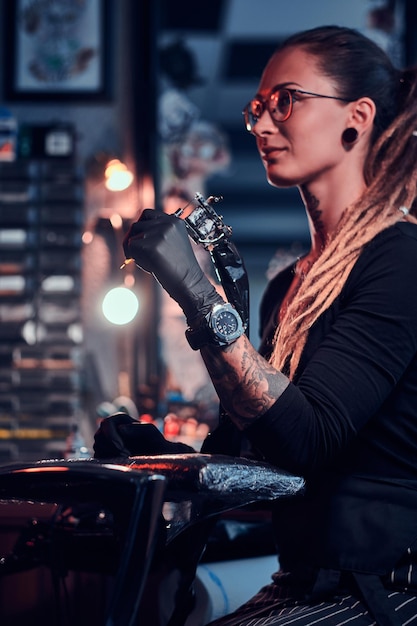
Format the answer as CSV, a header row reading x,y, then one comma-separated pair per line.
x,y
252,112
280,105
256,108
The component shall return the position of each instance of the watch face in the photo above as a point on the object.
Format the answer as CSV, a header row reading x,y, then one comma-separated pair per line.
x,y
226,323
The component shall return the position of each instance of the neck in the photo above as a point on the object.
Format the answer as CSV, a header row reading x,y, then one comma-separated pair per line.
x,y
318,224
325,205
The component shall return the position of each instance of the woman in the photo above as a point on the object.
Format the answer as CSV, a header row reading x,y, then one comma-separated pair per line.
x,y
332,395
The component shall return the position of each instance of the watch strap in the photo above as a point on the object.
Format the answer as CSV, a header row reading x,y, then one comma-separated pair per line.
x,y
198,337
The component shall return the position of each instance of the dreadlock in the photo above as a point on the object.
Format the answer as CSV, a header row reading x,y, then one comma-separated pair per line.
x,y
359,68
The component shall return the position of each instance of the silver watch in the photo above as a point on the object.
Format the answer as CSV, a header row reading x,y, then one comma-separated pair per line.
x,y
221,327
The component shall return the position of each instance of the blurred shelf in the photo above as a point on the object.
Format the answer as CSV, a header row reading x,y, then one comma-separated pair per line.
x,y
41,354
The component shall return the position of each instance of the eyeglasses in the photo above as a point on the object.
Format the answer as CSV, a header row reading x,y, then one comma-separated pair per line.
x,y
279,104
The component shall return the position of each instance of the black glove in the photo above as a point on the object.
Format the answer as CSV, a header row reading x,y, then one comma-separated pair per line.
x,y
159,244
121,436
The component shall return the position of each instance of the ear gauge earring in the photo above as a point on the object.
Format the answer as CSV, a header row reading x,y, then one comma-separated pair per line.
x,y
349,137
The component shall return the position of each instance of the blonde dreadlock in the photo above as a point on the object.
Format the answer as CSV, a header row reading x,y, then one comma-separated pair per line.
x,y
391,177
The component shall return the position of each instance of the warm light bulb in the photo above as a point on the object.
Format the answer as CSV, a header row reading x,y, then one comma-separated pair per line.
x,y
87,237
118,177
116,220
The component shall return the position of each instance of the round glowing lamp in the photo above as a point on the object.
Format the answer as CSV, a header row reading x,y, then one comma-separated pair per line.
x,y
120,306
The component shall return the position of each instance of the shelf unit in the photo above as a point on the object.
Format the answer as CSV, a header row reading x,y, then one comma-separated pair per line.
x,y
41,353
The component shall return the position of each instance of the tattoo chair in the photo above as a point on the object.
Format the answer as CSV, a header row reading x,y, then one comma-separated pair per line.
x,y
124,518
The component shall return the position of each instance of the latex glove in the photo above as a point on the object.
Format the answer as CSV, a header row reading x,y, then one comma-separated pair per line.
x,y
159,244
120,435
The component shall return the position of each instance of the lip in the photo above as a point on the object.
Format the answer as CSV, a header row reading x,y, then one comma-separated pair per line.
x,y
268,154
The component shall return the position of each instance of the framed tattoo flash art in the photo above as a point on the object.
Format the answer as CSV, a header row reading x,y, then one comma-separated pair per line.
x,y
56,50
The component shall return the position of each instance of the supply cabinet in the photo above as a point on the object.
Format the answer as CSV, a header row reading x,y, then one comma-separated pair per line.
x,y
41,355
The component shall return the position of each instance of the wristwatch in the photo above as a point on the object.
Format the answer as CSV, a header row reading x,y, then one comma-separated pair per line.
x,y
220,327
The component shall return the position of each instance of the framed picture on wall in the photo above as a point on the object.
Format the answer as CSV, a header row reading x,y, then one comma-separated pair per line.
x,y
56,50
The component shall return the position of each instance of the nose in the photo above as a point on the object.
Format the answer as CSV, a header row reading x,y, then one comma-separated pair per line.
x,y
265,124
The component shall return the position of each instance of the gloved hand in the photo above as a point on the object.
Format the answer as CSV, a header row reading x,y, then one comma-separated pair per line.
x,y
121,436
159,244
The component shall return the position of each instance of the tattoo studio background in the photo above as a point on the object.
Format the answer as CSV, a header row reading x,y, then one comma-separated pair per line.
x,y
155,90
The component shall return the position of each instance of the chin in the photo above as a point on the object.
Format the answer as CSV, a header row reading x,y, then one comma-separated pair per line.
x,y
276,177
281,182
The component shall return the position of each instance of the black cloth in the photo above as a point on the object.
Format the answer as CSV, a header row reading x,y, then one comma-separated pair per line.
x,y
348,422
119,436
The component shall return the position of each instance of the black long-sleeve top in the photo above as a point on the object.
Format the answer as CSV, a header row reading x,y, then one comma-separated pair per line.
x,y
355,395
351,413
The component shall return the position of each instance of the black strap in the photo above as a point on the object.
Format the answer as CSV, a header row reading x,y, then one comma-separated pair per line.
x,y
326,582
231,271
375,597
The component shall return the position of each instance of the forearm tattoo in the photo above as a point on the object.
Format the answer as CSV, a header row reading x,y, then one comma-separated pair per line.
x,y
246,383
